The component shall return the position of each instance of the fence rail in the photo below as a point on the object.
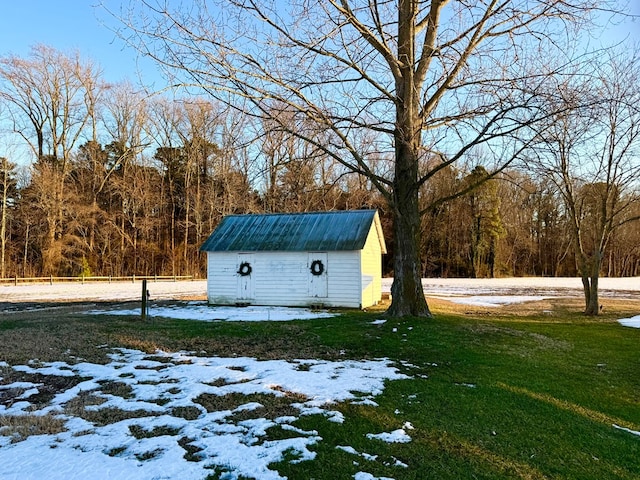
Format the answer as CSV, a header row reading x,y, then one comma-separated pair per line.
x,y
132,278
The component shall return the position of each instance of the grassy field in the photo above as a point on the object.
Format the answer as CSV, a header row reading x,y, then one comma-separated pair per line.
x,y
530,391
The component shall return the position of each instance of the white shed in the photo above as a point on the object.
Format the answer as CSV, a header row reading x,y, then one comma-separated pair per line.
x,y
331,259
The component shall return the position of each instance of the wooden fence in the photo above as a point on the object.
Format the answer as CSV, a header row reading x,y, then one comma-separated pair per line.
x,y
133,278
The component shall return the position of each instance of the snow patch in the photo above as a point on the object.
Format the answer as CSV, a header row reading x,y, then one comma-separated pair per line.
x,y
397,436
103,452
368,476
633,322
204,312
628,430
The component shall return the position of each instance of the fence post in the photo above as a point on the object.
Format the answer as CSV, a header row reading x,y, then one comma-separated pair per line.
x,y
143,309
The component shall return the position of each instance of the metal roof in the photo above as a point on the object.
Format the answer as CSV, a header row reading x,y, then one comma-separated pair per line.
x,y
326,231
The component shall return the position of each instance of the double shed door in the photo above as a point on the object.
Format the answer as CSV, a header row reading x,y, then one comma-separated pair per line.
x,y
316,268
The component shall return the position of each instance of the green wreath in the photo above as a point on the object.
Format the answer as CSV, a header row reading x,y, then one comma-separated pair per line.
x,y
244,269
317,267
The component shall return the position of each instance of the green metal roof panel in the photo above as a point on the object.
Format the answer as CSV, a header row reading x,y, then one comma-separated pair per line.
x,y
326,231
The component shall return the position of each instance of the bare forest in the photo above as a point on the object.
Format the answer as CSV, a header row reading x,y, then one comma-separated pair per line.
x,y
117,182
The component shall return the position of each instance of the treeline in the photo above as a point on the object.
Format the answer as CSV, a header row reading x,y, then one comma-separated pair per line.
x,y
517,225
108,212
120,183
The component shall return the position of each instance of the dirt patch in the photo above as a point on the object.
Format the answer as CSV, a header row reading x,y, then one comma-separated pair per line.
x,y
34,388
543,310
22,426
66,333
266,405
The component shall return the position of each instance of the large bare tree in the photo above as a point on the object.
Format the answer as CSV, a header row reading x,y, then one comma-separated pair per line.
x,y
431,79
51,97
591,156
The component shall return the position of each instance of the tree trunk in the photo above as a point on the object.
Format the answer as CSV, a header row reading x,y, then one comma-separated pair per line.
x,y
122,255
185,242
26,250
491,257
173,236
474,255
407,295
3,225
93,226
586,288
590,284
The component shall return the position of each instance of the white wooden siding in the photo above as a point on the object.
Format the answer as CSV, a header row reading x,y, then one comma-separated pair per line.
x,y
222,285
281,278
343,269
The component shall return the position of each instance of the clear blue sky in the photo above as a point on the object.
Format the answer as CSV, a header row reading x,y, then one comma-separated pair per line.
x,y
77,24
69,25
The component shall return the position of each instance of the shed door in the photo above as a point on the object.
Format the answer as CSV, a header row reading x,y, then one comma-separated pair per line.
x,y
317,266
245,276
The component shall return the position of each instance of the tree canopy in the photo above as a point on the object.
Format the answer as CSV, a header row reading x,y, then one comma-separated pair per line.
x,y
432,80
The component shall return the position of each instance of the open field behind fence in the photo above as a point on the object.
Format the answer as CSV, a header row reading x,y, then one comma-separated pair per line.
x,y
164,288
180,288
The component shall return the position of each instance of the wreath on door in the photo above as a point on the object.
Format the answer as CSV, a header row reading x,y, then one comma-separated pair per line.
x,y
245,269
317,267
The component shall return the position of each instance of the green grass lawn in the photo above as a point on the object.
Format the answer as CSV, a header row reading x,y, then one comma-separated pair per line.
x,y
521,397
491,395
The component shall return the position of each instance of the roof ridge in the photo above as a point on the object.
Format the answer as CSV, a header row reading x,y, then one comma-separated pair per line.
x,y
315,212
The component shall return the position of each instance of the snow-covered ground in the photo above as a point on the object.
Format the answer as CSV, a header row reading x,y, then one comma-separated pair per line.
x,y
163,385
154,443
633,322
523,286
195,310
100,291
477,292
511,289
